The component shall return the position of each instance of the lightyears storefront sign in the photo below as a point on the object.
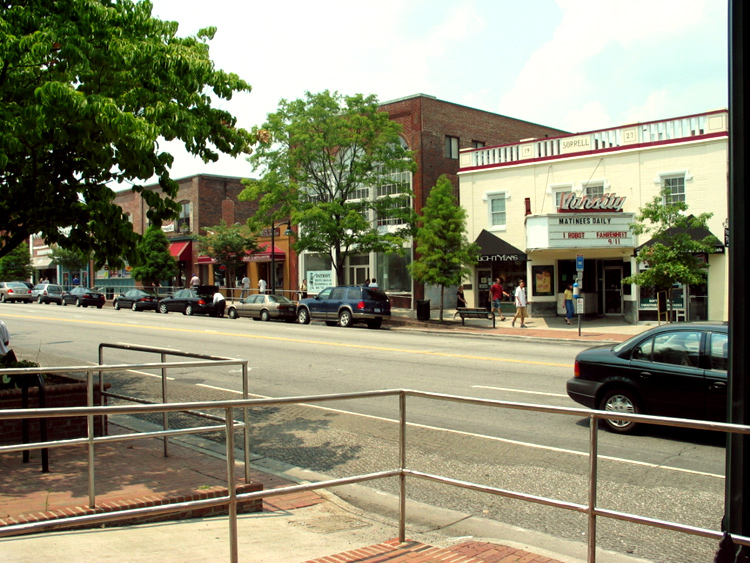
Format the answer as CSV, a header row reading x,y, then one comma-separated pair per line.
x,y
499,258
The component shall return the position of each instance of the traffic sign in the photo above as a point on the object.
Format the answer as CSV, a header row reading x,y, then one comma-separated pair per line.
x,y
579,263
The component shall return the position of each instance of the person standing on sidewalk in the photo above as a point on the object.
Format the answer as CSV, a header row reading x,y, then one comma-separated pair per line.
x,y
220,303
496,296
245,287
569,303
520,305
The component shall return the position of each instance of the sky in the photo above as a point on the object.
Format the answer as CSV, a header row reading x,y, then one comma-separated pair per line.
x,y
577,65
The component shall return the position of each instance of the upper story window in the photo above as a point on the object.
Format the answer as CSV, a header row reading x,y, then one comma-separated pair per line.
x,y
594,190
558,190
451,147
496,203
183,222
477,144
676,187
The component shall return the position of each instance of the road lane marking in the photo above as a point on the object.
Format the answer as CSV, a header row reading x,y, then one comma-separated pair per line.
x,y
519,391
486,437
306,341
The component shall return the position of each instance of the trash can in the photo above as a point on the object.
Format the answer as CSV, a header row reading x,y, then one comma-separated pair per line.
x,y
423,310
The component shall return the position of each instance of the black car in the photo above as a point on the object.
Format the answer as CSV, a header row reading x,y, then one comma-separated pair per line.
x,y
83,297
346,305
677,370
137,300
191,301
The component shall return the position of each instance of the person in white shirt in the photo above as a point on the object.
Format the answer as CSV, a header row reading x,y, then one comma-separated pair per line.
x,y
220,303
245,287
4,339
262,285
520,305
373,283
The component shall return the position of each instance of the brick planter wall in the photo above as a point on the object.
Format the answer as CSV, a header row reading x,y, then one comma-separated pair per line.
x,y
71,393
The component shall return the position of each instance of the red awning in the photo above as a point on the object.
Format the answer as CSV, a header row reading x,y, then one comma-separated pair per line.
x,y
181,250
265,254
206,260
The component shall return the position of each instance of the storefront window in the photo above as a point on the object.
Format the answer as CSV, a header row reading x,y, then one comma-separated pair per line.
x,y
318,272
393,272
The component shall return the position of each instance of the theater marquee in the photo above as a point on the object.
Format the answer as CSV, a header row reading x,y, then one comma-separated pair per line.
x,y
582,230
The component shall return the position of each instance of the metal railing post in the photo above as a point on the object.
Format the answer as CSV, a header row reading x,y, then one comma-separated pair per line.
x,y
164,415
90,432
402,467
593,480
246,416
231,486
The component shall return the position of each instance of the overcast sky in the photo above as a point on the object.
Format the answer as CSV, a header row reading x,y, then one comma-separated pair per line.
x,y
577,65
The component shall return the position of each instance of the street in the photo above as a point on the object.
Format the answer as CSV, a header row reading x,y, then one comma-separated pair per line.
x,y
661,473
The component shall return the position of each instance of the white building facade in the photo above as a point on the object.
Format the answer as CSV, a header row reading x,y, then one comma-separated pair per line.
x,y
541,209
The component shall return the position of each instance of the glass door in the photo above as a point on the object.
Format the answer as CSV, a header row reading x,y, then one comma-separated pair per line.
x,y
613,290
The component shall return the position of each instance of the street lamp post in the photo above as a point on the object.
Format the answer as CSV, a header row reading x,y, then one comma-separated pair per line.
x,y
287,233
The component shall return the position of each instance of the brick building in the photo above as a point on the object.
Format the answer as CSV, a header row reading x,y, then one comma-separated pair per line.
x,y
436,131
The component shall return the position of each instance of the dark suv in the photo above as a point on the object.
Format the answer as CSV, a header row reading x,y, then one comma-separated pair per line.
x,y
346,305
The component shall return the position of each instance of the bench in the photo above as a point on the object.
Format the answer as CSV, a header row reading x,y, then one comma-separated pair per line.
x,y
470,313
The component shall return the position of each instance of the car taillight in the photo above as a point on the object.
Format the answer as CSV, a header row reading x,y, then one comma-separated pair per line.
x,y
577,369
10,291
201,302
361,305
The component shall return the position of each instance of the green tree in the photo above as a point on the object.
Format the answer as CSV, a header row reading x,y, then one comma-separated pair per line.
x,y
88,89
673,255
444,255
70,259
337,167
158,263
16,265
228,245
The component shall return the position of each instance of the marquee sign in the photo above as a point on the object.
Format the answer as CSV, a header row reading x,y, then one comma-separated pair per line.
x,y
590,231
607,203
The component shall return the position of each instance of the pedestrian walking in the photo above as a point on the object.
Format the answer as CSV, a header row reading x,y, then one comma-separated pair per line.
x,y
245,287
520,299
303,290
569,309
195,281
262,285
496,296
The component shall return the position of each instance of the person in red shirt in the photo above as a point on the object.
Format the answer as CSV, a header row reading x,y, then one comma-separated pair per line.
x,y
496,295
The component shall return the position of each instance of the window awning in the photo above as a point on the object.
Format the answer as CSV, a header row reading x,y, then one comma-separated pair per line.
x,y
265,254
494,249
181,250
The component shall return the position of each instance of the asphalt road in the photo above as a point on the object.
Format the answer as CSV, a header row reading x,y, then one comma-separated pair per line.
x,y
661,473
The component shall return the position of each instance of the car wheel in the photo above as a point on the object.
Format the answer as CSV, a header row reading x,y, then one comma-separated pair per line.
x,y
232,313
2,298
116,305
620,400
188,310
345,318
163,308
374,323
265,316
134,306
78,303
303,316
39,299
64,302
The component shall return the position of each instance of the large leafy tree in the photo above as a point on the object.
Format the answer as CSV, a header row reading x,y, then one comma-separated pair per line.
x,y
228,245
158,263
70,259
335,165
444,254
673,254
88,89
16,265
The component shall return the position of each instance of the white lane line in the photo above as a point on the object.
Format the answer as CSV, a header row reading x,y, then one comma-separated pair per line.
x,y
150,374
493,438
518,391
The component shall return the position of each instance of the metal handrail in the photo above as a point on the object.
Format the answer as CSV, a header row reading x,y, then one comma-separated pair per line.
x,y
590,508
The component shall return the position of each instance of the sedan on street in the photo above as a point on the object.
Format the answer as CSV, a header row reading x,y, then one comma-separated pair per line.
x,y
47,293
137,300
675,370
84,297
191,301
14,291
264,307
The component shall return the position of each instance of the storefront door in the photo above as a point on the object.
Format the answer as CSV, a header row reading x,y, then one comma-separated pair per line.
x,y
358,274
612,290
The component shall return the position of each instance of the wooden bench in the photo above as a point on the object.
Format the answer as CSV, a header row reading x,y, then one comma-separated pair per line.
x,y
470,313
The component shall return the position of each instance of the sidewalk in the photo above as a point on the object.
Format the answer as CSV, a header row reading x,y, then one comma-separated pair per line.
x,y
305,527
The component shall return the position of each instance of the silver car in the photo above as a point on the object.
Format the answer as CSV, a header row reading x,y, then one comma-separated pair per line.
x,y
264,307
14,291
47,293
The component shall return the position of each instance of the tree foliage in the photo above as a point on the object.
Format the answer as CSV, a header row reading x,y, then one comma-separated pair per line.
x,y
158,263
88,88
16,265
70,259
228,245
444,254
672,255
333,164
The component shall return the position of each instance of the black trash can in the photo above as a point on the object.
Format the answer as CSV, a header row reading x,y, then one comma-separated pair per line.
x,y
423,310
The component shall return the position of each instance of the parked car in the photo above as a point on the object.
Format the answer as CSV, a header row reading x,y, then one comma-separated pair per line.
x,y
137,300
264,307
47,293
14,291
677,370
346,305
83,297
191,301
